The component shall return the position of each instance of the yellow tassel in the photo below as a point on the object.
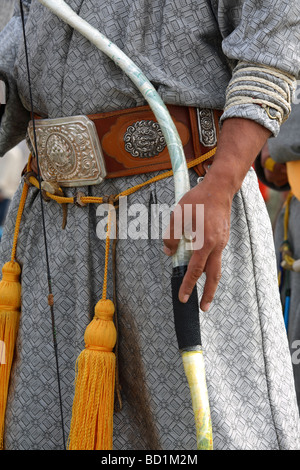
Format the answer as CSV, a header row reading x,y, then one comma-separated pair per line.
x,y
93,405
10,310
10,305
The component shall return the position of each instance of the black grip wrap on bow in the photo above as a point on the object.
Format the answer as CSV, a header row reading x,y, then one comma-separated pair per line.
x,y
186,316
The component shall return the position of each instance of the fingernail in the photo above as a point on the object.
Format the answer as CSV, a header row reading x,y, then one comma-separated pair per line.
x,y
185,298
206,307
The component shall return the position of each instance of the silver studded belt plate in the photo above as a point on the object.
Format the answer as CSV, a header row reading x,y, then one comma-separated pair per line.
x,y
69,151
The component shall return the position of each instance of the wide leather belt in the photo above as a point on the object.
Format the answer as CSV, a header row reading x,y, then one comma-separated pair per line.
x,y
82,150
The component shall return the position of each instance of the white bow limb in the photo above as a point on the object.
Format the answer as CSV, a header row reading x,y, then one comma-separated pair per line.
x,y
193,362
179,166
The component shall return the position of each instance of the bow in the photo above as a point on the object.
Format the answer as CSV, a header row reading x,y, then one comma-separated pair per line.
x,y
186,316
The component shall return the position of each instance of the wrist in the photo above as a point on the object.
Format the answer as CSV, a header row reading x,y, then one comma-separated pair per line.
x,y
239,143
225,176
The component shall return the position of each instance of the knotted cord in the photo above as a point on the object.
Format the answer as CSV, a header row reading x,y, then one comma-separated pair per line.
x,y
100,199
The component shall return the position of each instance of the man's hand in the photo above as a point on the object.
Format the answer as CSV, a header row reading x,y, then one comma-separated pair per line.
x,y
215,235
278,175
240,141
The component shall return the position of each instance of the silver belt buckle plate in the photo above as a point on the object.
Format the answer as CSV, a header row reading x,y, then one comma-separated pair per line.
x,y
69,151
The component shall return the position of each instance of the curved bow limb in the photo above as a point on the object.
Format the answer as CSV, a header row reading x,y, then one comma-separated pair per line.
x,y
186,315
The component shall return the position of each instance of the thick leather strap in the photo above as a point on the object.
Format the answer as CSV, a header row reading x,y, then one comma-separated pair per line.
x,y
132,142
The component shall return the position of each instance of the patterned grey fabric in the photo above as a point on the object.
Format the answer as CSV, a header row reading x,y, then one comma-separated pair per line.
x,y
181,48
248,363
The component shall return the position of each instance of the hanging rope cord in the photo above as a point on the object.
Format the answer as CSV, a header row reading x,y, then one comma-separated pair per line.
x,y
23,198
101,199
18,220
32,180
181,185
107,246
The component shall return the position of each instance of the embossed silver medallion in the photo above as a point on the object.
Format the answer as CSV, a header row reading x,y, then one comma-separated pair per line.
x,y
144,139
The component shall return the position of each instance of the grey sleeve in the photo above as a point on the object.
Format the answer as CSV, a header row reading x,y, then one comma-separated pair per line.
x,y
15,118
263,42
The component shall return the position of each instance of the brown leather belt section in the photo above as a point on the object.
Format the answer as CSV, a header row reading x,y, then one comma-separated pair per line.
x,y
132,142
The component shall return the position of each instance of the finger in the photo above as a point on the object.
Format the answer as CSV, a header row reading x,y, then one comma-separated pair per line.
x,y
213,276
174,232
194,271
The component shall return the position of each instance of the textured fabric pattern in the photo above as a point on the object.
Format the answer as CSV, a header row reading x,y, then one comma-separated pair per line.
x,y
248,364
187,49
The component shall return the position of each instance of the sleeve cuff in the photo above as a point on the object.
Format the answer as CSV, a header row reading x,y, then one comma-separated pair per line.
x,y
261,93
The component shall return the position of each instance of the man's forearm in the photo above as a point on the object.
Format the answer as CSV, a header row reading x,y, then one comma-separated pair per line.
x,y
240,142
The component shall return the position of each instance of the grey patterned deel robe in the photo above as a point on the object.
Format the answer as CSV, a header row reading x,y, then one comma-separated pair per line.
x,y
188,49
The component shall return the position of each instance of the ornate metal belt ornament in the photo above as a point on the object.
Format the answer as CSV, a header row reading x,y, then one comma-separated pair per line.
x,y
144,139
69,151
207,128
